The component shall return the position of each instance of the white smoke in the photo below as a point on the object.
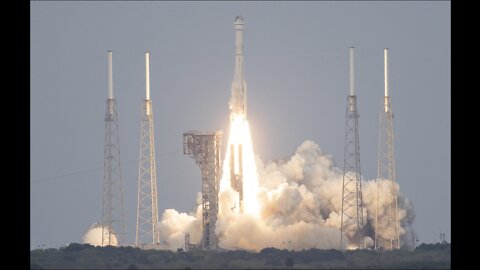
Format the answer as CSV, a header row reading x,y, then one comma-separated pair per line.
x,y
300,202
94,236
174,225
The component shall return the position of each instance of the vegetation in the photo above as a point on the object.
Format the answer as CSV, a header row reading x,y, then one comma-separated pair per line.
x,y
84,256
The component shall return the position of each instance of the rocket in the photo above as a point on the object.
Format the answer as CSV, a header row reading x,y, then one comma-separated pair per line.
x,y
238,111
238,100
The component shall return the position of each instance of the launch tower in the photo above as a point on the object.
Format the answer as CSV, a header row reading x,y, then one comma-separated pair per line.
x,y
386,183
113,217
147,212
204,148
352,213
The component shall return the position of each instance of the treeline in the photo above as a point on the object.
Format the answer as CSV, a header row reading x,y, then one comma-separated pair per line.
x,y
84,256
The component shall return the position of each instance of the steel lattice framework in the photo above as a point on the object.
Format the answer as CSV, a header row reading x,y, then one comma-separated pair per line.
x,y
113,211
352,211
147,212
204,148
386,204
113,216
386,184
351,229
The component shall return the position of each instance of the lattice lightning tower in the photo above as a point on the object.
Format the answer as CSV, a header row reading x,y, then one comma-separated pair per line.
x,y
352,212
147,213
386,209
204,148
113,217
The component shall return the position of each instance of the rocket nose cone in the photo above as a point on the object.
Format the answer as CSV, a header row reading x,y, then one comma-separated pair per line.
x,y
239,20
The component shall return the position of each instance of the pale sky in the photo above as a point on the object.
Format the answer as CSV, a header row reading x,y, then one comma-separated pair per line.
x,y
296,68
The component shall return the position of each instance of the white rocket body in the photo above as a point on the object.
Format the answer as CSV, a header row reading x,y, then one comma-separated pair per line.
x,y
238,113
238,100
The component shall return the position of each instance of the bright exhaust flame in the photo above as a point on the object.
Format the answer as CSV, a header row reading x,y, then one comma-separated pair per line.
x,y
240,135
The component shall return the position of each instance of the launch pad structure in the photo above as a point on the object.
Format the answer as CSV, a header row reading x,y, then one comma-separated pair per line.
x,y
352,202
204,148
387,189
113,217
147,233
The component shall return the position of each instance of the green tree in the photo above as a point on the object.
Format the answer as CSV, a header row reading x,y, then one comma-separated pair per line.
x,y
289,262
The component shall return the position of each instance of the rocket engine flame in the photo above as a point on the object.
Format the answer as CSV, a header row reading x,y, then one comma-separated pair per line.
x,y
243,164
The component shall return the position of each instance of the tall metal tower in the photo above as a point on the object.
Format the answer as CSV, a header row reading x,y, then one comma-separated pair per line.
x,y
386,209
147,212
352,213
113,217
204,148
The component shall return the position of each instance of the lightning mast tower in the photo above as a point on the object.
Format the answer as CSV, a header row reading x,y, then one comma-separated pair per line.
x,y
113,217
386,183
204,148
147,212
352,213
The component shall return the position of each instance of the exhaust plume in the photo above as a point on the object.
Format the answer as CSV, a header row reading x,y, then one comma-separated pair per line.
x,y
300,204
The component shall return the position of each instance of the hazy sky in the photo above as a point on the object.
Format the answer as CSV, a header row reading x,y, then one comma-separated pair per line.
x,y
296,68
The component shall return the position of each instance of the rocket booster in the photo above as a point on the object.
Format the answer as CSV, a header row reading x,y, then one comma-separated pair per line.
x,y
238,113
238,100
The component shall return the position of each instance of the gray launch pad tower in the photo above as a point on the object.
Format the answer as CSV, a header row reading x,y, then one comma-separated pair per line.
x,y
388,239
352,211
147,233
204,148
113,218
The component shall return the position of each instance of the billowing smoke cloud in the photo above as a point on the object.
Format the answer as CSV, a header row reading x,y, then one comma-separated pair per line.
x,y
300,201
94,236
174,225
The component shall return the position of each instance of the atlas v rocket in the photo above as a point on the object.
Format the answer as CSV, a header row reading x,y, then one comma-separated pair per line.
x,y
238,111
238,101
